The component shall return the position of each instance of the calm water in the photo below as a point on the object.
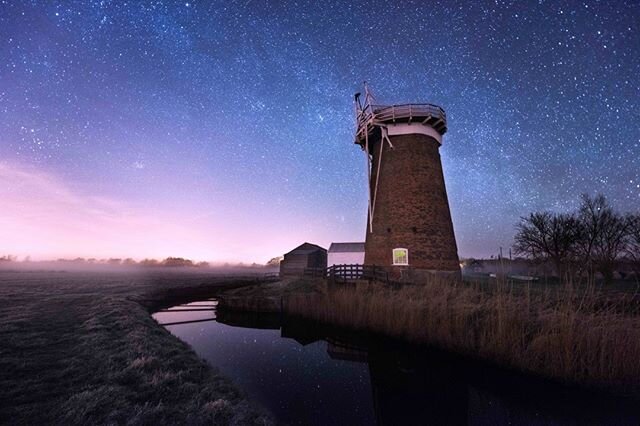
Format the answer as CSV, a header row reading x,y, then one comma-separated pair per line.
x,y
307,374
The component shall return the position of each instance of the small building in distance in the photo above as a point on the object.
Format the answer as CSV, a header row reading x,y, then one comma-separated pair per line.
x,y
304,256
346,254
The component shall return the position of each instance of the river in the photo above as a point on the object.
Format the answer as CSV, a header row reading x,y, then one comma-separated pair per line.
x,y
305,373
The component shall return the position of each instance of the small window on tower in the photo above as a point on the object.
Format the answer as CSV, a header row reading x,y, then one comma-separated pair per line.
x,y
400,256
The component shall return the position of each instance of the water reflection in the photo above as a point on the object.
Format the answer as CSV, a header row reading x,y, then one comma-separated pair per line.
x,y
305,373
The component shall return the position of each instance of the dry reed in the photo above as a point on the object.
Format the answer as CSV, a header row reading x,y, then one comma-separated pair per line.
x,y
575,334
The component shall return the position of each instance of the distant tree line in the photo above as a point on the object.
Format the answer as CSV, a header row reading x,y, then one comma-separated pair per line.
x,y
595,238
169,262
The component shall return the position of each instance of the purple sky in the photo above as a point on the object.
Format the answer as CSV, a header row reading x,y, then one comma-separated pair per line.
x,y
223,131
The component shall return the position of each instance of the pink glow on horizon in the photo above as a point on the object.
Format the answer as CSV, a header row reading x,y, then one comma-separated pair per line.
x,y
42,217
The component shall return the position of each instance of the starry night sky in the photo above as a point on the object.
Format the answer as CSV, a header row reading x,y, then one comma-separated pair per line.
x,y
224,130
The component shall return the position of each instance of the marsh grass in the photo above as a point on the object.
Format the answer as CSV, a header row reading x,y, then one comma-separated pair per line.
x,y
82,348
573,333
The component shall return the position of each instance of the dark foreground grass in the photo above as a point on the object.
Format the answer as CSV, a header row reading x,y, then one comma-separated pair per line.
x,y
81,348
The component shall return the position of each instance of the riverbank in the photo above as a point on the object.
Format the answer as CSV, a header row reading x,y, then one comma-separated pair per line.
x,y
576,335
82,348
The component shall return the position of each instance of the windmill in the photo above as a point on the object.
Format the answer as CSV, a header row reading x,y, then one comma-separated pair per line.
x,y
408,209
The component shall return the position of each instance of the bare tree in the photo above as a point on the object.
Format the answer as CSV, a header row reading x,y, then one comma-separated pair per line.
x,y
603,237
177,261
590,216
149,262
275,261
611,244
633,242
547,236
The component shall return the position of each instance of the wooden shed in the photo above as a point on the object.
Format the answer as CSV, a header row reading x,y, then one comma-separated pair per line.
x,y
304,256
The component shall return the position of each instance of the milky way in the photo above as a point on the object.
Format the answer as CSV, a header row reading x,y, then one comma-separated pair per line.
x,y
234,120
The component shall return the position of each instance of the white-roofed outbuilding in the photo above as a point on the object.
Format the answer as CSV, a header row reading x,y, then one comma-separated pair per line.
x,y
345,254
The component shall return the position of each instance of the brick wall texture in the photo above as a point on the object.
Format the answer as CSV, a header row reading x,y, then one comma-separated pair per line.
x,y
411,206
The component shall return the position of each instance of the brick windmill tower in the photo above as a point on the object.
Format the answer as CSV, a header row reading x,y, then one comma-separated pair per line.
x,y
409,227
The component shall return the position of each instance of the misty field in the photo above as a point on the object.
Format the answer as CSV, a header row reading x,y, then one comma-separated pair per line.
x,y
81,348
584,334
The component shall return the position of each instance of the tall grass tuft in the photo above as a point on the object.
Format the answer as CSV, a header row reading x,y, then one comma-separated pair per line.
x,y
575,333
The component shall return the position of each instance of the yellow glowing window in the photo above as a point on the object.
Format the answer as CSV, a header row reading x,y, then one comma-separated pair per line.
x,y
400,256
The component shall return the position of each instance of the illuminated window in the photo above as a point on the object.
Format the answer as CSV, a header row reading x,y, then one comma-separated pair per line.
x,y
400,256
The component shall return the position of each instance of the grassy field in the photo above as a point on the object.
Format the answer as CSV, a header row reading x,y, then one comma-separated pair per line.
x,y
81,348
585,334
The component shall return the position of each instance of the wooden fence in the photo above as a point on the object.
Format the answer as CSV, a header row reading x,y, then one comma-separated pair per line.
x,y
347,273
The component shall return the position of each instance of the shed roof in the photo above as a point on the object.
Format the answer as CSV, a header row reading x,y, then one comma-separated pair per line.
x,y
306,248
296,251
346,248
